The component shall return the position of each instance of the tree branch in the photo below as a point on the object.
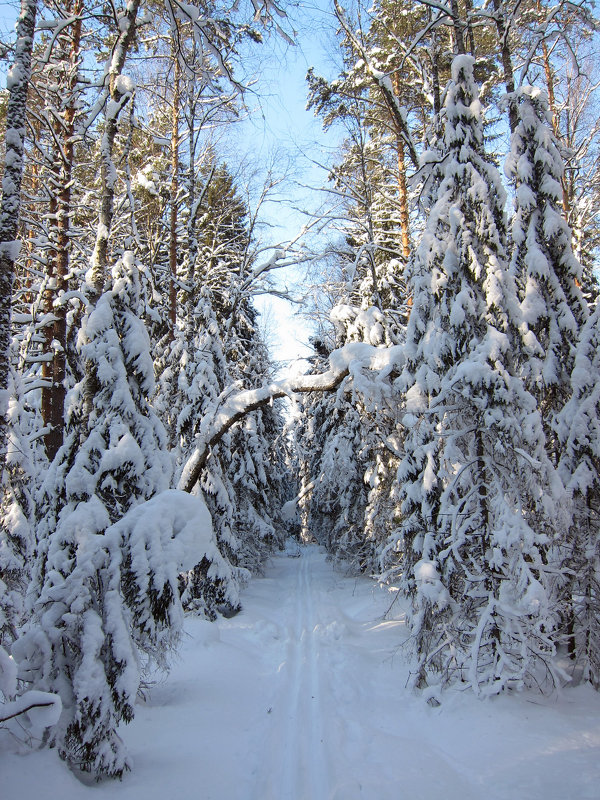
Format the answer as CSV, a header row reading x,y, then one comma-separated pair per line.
x,y
221,418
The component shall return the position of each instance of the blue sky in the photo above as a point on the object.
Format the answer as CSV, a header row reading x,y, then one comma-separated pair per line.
x,y
278,122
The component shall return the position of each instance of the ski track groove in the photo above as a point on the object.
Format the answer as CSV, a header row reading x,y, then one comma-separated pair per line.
x,y
292,687
316,758
304,764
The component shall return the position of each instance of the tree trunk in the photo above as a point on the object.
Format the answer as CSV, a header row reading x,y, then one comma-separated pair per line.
x,y
236,406
458,29
10,206
118,98
509,78
555,122
54,371
174,191
470,34
402,188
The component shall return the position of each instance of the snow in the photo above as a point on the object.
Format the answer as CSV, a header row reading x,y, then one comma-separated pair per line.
x,y
302,695
8,674
14,76
35,710
124,84
353,357
10,250
146,183
178,518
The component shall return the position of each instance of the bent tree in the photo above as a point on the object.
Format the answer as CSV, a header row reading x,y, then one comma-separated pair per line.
x,y
231,408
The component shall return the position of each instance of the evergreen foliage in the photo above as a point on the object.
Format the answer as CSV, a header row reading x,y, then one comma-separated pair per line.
x,y
77,641
552,305
17,506
578,432
475,486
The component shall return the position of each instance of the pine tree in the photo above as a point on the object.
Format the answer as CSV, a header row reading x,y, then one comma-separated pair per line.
x,y
256,468
62,91
344,440
194,378
578,433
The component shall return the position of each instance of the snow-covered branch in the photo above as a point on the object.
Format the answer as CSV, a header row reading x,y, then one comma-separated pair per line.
x,y
383,82
42,707
348,360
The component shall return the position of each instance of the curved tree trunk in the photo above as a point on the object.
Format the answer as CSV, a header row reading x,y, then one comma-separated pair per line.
x,y
231,409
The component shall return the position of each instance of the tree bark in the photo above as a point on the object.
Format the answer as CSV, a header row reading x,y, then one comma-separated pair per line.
x,y
174,191
402,188
117,100
509,78
458,29
10,205
470,34
54,371
555,121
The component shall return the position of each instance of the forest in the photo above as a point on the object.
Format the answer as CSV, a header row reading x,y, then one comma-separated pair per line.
x,y
445,438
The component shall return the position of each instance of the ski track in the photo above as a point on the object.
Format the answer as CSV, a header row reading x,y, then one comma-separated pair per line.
x,y
343,726
302,696
332,727
299,742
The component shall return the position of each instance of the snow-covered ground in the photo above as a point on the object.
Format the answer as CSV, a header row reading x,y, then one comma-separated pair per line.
x,y
302,697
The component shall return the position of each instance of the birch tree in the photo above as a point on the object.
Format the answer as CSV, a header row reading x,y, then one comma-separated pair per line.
x,y
14,139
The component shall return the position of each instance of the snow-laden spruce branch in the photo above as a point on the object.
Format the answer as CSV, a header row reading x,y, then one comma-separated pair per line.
x,y
230,408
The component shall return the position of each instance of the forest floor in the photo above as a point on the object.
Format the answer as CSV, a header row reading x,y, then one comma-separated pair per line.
x,y
302,696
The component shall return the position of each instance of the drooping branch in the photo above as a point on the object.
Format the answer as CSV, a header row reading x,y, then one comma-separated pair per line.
x,y
231,408
216,425
49,704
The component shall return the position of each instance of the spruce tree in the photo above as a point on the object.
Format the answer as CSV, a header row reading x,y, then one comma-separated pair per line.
x,y
475,485
17,510
197,374
77,642
578,431
548,274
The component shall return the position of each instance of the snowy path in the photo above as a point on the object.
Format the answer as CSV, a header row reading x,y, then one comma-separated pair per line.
x,y
301,697
296,766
